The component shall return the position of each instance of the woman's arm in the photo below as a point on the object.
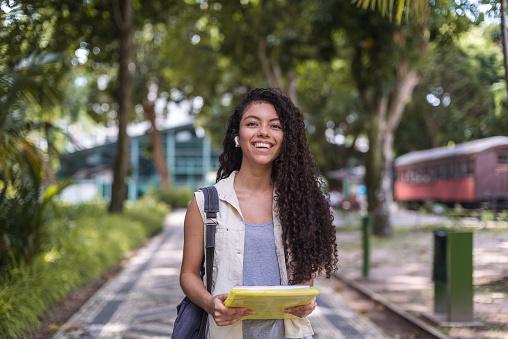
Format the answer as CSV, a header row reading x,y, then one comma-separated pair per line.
x,y
190,279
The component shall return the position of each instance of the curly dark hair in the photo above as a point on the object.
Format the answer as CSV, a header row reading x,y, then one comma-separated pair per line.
x,y
304,212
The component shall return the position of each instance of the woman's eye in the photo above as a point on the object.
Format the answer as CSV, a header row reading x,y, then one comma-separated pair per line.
x,y
277,126
251,124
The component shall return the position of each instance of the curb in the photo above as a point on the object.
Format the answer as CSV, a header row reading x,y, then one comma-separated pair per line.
x,y
431,330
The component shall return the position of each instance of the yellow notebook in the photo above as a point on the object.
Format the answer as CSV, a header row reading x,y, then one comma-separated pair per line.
x,y
269,302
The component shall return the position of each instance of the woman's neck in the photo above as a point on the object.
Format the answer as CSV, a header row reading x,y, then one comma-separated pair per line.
x,y
253,179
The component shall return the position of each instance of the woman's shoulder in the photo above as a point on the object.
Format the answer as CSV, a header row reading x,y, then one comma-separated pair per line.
x,y
225,185
199,197
200,202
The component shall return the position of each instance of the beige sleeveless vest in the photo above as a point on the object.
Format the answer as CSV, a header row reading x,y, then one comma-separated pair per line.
x,y
228,261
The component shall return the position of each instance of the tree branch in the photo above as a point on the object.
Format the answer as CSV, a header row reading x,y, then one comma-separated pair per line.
x,y
277,74
265,64
117,17
407,80
292,80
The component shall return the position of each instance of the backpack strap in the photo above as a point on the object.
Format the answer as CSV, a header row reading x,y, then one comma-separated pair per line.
x,y
211,209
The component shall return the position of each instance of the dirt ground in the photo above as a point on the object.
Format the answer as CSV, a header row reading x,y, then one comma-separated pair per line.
x,y
401,271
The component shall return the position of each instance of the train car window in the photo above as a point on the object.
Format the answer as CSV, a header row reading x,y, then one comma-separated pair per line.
x,y
463,168
452,169
502,158
442,171
470,167
420,175
432,173
449,170
455,169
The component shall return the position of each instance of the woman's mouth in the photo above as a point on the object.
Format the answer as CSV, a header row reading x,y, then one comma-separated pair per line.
x,y
264,145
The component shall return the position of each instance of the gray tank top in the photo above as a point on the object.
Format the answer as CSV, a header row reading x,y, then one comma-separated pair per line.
x,y
260,267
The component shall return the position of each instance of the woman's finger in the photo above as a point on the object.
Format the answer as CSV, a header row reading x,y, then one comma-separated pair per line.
x,y
303,310
228,321
236,311
221,297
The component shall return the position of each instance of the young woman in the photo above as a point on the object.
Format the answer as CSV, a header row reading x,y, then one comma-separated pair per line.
x,y
274,224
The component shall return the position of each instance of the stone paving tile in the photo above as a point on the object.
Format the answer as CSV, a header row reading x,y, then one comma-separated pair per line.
x,y
140,302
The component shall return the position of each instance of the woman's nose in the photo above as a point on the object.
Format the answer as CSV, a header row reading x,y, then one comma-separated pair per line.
x,y
263,130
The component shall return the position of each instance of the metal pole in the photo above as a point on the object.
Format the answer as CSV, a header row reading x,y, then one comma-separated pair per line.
x,y
366,227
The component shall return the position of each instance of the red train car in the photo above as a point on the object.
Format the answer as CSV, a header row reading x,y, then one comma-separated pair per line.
x,y
474,174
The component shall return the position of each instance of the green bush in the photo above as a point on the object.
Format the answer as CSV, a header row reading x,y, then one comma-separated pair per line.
x,y
149,212
22,216
503,215
487,215
177,197
82,243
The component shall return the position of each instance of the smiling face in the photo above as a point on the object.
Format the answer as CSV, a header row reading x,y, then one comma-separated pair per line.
x,y
260,134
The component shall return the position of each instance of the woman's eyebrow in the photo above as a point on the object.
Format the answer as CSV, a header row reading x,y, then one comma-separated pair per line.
x,y
251,117
255,117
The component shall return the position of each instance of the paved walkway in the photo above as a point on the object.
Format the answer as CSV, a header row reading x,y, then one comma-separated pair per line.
x,y
140,302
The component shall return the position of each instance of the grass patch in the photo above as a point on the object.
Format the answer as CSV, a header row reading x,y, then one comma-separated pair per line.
x,y
82,242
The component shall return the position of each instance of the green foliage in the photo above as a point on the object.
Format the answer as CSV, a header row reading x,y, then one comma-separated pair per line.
x,y
148,211
503,216
446,108
487,215
82,243
396,9
22,217
330,104
23,91
177,197
426,207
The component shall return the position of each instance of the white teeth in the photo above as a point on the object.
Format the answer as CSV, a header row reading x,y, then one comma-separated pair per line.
x,y
262,145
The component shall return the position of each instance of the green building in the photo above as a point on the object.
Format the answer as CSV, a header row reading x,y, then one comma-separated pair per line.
x,y
191,162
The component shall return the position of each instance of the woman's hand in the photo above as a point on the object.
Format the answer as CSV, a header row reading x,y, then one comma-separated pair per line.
x,y
223,315
303,310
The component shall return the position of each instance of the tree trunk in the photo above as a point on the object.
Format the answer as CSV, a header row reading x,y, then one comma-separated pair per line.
x,y
383,126
158,154
433,129
47,162
122,15
376,198
505,41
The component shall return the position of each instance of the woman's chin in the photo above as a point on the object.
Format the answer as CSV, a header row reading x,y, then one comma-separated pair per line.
x,y
262,161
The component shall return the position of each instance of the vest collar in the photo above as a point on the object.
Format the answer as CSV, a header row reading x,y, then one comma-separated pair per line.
x,y
226,190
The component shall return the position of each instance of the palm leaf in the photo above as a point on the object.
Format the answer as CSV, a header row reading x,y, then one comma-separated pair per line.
x,y
396,9
27,85
23,88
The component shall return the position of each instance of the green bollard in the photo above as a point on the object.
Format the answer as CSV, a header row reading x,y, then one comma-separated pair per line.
x,y
453,277
366,245
460,276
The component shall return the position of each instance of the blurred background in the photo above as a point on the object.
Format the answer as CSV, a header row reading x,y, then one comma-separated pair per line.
x,y
113,112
